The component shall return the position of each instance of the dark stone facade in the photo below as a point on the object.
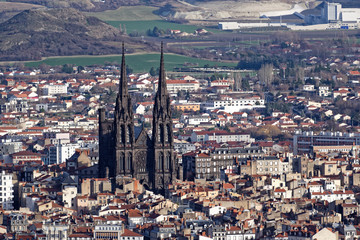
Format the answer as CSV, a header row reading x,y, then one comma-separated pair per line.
x,y
123,153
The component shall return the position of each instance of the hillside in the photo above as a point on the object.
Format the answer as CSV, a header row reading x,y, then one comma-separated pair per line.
x,y
33,34
230,9
10,9
86,5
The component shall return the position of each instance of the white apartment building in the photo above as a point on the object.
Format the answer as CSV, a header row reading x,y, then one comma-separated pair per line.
x,y
61,152
10,146
196,120
333,196
107,231
324,91
235,105
174,86
6,191
55,231
69,196
57,137
182,146
220,83
220,137
54,89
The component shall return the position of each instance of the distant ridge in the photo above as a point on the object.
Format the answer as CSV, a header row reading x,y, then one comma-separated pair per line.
x,y
33,34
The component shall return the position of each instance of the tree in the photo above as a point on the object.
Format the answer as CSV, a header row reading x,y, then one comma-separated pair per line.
x,y
237,82
80,68
300,74
175,113
44,68
156,32
266,74
67,68
152,71
129,70
245,85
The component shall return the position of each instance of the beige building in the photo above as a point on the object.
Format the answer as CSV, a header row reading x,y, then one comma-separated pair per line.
x,y
273,165
356,179
92,186
329,168
349,209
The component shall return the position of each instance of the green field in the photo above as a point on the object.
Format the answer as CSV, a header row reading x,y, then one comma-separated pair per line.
x,y
127,14
138,62
148,20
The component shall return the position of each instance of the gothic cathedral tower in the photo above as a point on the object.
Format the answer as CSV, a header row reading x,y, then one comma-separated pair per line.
x,y
124,137
162,134
125,152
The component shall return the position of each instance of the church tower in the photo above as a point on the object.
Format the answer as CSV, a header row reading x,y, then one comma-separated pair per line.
x,y
124,138
162,134
126,151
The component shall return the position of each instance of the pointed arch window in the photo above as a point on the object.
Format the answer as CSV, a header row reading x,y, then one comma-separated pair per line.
x,y
122,162
123,133
161,162
161,139
118,136
169,132
128,134
166,134
129,162
167,161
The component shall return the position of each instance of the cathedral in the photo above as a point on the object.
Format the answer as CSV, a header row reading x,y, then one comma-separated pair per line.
x,y
128,151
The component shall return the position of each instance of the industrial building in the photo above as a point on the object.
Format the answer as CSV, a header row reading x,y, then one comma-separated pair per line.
x,y
336,17
331,16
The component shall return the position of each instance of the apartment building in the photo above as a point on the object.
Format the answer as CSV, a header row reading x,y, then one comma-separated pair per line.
x,y
304,141
61,152
220,137
210,165
6,191
54,89
231,105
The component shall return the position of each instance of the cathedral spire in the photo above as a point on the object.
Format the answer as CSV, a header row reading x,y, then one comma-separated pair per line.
x,y
162,99
163,160
123,88
124,125
162,108
123,99
162,77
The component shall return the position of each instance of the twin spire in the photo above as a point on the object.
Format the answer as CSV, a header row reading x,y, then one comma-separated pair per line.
x,y
123,86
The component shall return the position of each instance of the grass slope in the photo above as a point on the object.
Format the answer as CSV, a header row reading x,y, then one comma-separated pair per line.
x,y
138,62
140,19
127,13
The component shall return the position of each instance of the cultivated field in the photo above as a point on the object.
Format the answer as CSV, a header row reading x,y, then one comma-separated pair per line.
x,y
140,19
138,62
128,13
